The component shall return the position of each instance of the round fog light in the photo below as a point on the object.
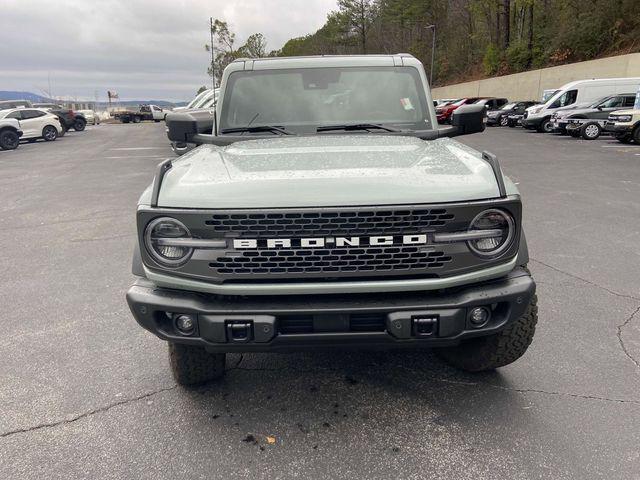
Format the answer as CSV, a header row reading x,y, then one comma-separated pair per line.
x,y
479,316
185,324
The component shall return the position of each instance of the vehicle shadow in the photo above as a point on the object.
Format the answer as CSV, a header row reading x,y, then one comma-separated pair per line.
x,y
304,397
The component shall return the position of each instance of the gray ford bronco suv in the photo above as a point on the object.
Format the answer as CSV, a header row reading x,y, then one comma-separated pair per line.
x,y
327,209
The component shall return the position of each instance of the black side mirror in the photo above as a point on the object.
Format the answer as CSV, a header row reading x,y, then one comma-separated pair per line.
x,y
469,119
181,127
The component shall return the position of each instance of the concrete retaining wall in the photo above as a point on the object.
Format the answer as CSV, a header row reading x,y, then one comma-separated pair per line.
x,y
529,85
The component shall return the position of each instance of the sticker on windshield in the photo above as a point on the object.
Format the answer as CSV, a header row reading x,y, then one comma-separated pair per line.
x,y
406,104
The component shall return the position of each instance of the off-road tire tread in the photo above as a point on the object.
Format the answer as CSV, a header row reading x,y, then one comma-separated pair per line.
x,y
498,350
192,365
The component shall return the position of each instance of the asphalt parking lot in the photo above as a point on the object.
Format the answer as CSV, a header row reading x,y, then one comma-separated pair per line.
x,y
86,393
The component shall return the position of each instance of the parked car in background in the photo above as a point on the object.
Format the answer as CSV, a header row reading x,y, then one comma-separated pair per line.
x,y
91,116
492,104
10,133
444,112
501,116
7,104
581,91
445,101
205,118
547,94
624,125
193,103
144,112
588,122
35,123
68,118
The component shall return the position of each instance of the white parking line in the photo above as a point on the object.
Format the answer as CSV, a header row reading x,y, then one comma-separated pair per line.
x,y
137,156
139,148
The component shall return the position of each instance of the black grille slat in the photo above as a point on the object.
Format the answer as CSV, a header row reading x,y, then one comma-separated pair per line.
x,y
356,222
288,261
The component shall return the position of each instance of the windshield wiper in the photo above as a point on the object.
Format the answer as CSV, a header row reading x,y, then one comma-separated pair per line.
x,y
258,128
356,126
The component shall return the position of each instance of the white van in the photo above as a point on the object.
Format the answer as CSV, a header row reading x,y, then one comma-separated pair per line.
x,y
538,117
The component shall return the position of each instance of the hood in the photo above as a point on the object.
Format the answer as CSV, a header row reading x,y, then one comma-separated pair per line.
x,y
328,170
575,110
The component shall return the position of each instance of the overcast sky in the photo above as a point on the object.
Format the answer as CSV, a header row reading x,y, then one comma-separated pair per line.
x,y
143,49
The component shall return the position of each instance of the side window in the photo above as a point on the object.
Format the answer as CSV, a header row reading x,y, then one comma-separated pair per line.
x,y
15,115
629,101
28,114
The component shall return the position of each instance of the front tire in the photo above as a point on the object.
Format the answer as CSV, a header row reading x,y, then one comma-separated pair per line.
x,y
590,131
497,350
79,125
636,135
192,365
49,133
545,126
9,140
136,119
504,121
626,139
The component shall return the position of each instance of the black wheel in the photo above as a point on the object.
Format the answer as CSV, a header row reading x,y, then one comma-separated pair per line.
x,y
136,119
9,140
512,123
545,126
590,131
49,133
193,365
636,135
624,139
79,124
504,121
498,350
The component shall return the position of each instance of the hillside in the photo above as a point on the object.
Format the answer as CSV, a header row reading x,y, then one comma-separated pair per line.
x,y
478,38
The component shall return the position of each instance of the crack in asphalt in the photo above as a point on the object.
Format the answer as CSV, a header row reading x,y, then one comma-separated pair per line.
x,y
453,382
87,414
589,282
619,328
619,335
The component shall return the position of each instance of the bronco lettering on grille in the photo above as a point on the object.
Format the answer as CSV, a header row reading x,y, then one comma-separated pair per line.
x,y
322,242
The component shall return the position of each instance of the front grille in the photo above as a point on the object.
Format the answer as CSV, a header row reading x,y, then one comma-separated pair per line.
x,y
345,250
353,322
331,260
352,222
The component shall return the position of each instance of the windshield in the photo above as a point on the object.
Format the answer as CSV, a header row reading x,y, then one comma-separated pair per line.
x,y
567,98
508,106
305,98
547,94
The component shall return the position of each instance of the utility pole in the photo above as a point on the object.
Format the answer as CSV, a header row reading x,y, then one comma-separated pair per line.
x,y
213,58
433,52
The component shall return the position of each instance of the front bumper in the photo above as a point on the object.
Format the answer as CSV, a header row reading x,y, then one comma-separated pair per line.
x,y
531,123
291,323
618,129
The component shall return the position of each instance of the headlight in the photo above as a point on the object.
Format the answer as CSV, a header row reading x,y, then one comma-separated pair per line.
x,y
502,227
534,110
623,118
165,229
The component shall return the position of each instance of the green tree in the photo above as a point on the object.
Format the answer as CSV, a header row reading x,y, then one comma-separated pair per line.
x,y
255,46
357,17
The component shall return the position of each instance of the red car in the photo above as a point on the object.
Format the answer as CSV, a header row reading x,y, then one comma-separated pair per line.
x,y
443,112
